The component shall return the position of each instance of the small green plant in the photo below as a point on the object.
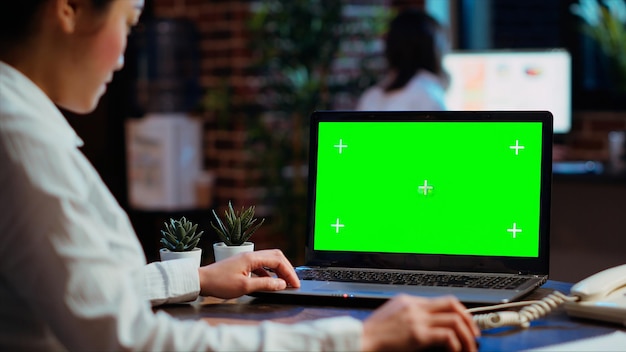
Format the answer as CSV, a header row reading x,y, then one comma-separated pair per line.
x,y
180,235
237,227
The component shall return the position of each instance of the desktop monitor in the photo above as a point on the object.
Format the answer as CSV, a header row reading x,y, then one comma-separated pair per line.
x,y
512,80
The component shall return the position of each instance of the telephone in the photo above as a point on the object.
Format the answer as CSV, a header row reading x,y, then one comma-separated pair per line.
x,y
602,296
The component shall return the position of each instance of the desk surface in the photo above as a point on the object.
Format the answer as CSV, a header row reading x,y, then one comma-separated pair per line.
x,y
557,327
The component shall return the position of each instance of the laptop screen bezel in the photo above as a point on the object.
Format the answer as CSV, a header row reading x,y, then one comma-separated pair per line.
x,y
510,265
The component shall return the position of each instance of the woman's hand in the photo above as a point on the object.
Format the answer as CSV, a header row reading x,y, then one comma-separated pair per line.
x,y
415,323
230,278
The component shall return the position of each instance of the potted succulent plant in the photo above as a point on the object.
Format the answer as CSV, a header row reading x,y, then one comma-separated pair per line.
x,y
234,231
180,240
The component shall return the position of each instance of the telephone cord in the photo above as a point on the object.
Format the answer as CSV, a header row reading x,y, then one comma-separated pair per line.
x,y
524,316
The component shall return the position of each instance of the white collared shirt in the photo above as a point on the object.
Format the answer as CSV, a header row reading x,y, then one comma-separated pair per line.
x,y
72,271
424,92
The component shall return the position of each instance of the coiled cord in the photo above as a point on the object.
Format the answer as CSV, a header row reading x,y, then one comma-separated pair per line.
x,y
523,317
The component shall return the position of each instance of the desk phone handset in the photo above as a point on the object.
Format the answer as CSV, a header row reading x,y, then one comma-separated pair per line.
x,y
601,296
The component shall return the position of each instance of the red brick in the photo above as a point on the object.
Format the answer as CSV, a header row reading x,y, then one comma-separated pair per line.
x,y
588,144
608,125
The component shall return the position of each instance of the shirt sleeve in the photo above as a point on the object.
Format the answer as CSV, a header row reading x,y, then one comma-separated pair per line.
x,y
330,334
170,281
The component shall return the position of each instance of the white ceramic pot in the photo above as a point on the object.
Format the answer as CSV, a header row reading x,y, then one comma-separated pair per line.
x,y
195,254
222,251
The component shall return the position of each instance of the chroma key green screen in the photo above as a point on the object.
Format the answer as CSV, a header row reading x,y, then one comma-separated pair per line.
x,y
457,188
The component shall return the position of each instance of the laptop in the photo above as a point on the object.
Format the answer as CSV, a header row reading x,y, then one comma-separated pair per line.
x,y
427,204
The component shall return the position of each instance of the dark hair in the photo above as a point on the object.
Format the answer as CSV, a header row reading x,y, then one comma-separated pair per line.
x,y
413,43
18,19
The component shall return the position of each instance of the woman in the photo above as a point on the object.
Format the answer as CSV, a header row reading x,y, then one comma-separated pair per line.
x,y
72,272
414,48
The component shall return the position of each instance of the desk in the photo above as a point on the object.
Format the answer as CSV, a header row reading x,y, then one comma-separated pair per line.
x,y
557,327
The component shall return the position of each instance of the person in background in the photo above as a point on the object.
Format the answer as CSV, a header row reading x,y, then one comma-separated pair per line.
x,y
414,47
73,275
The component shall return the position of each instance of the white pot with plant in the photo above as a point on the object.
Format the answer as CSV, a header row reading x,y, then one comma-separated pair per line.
x,y
180,241
234,231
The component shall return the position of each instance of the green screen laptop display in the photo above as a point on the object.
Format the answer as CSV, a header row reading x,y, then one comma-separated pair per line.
x,y
428,187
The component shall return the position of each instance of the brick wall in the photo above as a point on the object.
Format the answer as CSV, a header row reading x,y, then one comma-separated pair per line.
x,y
223,64
589,137
225,75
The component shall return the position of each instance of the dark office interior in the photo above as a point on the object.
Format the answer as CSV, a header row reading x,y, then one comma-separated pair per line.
x,y
204,60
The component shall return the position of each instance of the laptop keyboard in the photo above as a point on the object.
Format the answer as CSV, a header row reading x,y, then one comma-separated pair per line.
x,y
418,279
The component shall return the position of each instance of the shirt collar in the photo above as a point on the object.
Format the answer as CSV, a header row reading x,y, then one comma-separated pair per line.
x,y
20,90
